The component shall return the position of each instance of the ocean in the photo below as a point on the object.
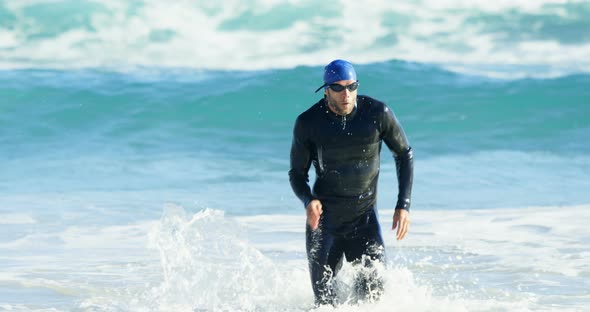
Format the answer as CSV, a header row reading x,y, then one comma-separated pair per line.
x,y
145,148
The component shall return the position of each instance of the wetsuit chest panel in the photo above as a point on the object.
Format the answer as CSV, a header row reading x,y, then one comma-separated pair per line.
x,y
347,172
358,131
347,155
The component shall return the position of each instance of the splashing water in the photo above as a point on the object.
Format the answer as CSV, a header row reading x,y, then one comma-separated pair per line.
x,y
207,263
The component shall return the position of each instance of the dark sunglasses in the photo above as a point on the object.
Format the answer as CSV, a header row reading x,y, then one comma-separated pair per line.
x,y
339,88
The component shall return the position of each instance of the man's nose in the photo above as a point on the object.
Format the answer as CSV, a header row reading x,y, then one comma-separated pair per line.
x,y
345,93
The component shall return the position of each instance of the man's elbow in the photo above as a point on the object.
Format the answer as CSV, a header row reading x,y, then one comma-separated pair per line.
x,y
407,154
297,176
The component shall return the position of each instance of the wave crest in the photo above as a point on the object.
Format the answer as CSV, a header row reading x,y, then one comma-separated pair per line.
x,y
500,39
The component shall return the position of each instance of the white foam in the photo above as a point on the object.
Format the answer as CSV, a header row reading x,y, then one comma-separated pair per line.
x,y
192,38
494,6
536,239
207,265
454,260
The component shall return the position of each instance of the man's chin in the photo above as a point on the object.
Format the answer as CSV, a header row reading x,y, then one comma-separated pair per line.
x,y
347,109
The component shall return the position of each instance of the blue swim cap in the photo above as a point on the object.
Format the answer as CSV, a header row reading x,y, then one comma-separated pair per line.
x,y
337,70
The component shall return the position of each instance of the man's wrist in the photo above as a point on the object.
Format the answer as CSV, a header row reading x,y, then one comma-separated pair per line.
x,y
403,204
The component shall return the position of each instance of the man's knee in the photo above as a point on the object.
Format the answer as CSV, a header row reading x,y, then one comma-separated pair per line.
x,y
369,283
323,285
369,287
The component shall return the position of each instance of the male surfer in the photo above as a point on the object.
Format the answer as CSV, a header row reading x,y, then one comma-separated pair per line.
x,y
342,135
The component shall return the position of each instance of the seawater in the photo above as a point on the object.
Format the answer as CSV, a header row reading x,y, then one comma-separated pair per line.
x,y
139,172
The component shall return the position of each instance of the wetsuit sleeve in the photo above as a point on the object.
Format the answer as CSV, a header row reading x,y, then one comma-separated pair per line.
x,y
300,163
394,137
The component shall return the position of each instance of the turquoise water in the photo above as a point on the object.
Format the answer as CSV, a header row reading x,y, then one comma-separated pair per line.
x,y
135,134
90,130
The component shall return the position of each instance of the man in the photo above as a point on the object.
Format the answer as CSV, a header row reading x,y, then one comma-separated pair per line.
x,y
342,136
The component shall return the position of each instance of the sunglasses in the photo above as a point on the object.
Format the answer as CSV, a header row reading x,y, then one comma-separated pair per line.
x,y
339,88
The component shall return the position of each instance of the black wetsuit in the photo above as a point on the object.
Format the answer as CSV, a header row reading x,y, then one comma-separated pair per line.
x,y
345,151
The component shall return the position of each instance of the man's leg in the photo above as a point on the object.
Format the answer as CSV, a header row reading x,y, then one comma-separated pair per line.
x,y
365,249
324,255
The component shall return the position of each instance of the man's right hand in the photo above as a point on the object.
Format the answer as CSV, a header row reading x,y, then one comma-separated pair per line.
x,y
314,211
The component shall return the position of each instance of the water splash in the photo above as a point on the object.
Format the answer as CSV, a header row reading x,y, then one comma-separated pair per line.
x,y
209,265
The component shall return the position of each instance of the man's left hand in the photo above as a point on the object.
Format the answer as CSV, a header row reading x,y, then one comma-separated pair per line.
x,y
401,220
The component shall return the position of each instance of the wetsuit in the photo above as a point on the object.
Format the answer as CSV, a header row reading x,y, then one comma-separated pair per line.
x,y
345,152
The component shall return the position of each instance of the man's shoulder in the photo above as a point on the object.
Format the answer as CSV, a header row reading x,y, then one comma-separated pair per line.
x,y
311,113
371,104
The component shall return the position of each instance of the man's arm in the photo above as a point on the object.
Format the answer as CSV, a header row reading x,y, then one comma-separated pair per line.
x,y
298,174
394,137
300,163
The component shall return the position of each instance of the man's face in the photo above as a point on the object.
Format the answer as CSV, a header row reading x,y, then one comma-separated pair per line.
x,y
341,102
